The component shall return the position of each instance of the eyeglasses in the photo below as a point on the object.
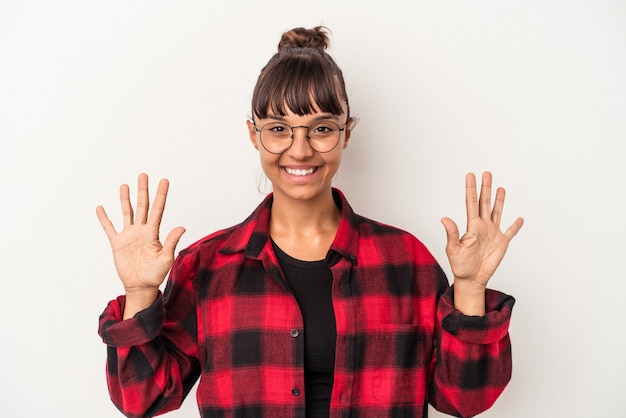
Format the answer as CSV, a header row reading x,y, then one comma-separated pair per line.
x,y
277,137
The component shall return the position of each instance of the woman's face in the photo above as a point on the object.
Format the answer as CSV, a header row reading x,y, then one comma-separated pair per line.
x,y
300,172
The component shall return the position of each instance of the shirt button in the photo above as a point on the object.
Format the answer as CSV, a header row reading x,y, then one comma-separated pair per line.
x,y
295,391
295,333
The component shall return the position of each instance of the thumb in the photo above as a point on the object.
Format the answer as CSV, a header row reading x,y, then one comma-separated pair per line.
x,y
452,231
171,241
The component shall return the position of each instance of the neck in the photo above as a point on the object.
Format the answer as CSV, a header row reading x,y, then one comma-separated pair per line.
x,y
304,229
303,215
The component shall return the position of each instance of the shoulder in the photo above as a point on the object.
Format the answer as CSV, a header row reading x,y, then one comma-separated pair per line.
x,y
377,241
372,226
212,242
202,255
392,241
232,240
372,229
406,264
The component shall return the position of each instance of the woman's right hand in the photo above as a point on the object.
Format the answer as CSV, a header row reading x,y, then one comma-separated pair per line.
x,y
142,262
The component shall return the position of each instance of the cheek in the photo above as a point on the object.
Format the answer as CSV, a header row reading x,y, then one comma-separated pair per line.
x,y
334,159
267,160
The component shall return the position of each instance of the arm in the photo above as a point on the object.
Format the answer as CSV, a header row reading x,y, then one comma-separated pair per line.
x,y
152,349
472,361
152,358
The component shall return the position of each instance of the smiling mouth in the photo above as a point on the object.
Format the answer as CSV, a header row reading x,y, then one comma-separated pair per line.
x,y
300,172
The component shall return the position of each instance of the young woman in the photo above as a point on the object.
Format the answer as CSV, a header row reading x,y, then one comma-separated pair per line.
x,y
306,308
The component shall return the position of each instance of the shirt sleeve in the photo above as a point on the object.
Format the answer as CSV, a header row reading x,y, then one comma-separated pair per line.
x,y
472,363
152,358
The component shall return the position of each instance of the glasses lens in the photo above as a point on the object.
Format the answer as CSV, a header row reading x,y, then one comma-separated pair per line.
x,y
324,136
276,137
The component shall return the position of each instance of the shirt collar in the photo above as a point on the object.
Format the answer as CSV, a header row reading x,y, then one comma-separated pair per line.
x,y
252,235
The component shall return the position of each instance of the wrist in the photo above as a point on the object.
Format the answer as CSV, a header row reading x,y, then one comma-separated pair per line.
x,y
139,299
469,297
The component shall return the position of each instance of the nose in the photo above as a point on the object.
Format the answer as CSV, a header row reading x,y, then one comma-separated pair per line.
x,y
300,147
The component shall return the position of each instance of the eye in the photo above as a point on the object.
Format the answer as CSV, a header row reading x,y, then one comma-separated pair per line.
x,y
324,128
277,129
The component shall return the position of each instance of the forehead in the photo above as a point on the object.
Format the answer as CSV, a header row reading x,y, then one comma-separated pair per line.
x,y
315,112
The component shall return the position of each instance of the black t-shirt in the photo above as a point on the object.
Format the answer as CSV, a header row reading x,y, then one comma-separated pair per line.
x,y
311,283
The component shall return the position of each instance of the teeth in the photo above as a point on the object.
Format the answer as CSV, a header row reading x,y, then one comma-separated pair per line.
x,y
299,172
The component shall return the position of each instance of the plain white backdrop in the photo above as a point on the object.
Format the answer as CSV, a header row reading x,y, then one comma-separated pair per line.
x,y
93,93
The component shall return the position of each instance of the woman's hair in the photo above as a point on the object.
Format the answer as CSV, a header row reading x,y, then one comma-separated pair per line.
x,y
300,76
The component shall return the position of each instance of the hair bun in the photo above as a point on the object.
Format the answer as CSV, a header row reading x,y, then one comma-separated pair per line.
x,y
316,38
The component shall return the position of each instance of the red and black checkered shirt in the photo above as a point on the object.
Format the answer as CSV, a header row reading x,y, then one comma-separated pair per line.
x,y
227,316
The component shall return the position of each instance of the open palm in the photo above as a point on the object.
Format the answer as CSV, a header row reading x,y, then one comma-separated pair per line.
x,y
475,256
142,262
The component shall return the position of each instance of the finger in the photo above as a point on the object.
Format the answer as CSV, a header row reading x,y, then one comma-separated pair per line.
x,y
127,207
156,213
471,200
452,232
485,196
169,245
143,199
106,223
496,213
514,228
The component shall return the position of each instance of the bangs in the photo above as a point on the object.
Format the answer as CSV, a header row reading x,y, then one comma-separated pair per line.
x,y
300,83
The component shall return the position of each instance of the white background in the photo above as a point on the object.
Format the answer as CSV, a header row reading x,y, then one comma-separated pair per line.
x,y
93,93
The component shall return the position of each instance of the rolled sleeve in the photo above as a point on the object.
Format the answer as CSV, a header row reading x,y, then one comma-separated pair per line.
x,y
142,328
487,329
473,362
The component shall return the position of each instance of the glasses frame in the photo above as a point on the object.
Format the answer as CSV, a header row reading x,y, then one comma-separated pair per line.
x,y
308,138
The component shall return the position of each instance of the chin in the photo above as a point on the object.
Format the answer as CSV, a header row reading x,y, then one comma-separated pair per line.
x,y
302,192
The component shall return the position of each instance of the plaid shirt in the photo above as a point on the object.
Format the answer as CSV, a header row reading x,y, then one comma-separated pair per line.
x,y
228,317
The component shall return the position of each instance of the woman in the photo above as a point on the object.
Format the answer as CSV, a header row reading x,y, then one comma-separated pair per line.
x,y
306,308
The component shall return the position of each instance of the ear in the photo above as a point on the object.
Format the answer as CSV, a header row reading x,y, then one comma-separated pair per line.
x,y
252,132
349,126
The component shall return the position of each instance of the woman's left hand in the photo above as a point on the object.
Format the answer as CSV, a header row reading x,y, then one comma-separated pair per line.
x,y
475,256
